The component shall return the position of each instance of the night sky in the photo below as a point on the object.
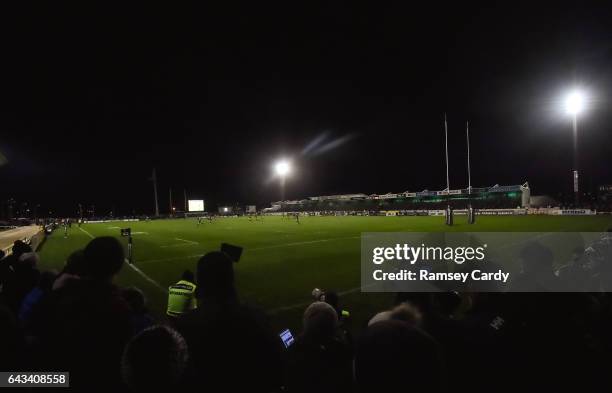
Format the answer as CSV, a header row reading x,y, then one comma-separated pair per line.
x,y
93,98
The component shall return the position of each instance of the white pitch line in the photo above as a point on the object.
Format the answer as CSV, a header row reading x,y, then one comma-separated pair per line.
x,y
171,259
87,233
178,245
249,249
147,278
302,243
186,241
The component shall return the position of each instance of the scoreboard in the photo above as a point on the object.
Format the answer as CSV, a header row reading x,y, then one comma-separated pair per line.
x,y
195,205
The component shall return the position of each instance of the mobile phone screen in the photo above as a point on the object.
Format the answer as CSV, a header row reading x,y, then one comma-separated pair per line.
x,y
287,337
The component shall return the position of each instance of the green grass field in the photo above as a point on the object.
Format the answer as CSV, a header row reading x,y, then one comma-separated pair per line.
x,y
282,260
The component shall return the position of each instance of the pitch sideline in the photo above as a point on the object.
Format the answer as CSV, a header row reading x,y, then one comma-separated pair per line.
x,y
87,233
146,277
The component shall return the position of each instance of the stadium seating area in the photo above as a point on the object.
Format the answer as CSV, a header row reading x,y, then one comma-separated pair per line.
x,y
79,320
496,197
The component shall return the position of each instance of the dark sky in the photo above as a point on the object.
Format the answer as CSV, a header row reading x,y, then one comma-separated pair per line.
x,y
93,98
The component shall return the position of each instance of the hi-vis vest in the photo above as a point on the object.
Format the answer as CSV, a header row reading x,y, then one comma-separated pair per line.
x,y
181,298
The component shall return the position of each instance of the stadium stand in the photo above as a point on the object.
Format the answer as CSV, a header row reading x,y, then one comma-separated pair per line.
x,y
494,197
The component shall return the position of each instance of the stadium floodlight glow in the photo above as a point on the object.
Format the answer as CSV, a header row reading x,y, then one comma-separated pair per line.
x,y
574,102
282,168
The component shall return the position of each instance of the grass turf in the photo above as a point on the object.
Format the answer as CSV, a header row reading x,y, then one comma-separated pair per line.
x,y
282,260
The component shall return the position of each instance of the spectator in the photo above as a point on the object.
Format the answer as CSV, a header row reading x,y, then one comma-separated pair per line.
x,y
11,341
421,300
223,334
75,269
344,316
33,299
381,316
138,305
405,312
154,360
29,258
18,275
88,320
19,248
216,279
319,360
76,264
104,258
392,356
537,274
181,296
408,313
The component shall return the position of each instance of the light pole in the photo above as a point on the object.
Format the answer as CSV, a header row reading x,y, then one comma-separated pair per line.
x,y
282,169
574,105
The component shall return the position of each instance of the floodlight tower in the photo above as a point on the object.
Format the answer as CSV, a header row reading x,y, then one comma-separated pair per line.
x,y
574,105
282,169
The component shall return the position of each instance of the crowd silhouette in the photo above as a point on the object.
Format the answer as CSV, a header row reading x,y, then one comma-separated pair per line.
x,y
79,320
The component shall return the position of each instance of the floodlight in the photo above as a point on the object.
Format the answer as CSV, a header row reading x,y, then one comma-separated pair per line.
x,y
574,102
282,168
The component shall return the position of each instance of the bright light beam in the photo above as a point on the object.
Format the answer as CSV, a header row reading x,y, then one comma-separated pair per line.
x,y
574,102
282,168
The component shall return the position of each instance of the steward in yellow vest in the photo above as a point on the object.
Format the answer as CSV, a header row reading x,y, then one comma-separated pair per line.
x,y
181,296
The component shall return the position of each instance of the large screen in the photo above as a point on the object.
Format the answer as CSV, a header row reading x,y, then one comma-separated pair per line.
x,y
196,205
